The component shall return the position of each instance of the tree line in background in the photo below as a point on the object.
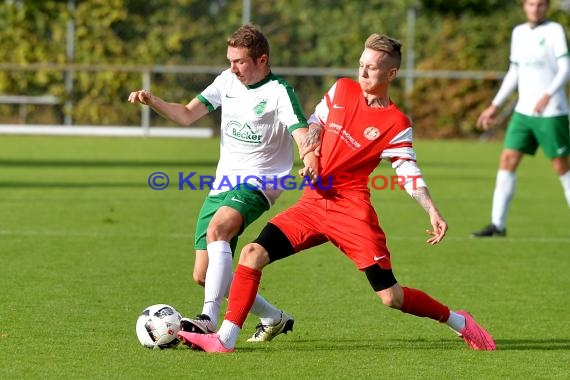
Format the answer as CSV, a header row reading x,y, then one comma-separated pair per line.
x,y
449,35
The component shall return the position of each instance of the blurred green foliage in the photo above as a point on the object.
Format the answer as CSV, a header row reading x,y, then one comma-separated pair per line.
x,y
449,35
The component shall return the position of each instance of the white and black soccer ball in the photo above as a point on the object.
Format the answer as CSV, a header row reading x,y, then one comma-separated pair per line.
x,y
157,326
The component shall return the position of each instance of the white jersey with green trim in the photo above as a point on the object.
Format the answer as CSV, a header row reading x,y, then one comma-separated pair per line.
x,y
536,52
255,135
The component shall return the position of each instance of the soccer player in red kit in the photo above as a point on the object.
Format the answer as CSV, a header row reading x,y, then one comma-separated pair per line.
x,y
357,126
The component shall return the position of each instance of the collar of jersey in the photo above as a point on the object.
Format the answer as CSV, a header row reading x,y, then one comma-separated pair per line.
x,y
545,21
269,77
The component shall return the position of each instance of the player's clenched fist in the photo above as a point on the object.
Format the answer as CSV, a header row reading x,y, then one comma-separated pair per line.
x,y
141,96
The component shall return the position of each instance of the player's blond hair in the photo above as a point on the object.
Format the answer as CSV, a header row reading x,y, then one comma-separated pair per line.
x,y
249,37
388,45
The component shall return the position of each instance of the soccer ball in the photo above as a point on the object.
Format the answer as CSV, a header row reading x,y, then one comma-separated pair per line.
x,y
157,326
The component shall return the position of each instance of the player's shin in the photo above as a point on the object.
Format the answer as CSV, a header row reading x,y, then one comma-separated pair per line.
x,y
218,277
420,304
243,291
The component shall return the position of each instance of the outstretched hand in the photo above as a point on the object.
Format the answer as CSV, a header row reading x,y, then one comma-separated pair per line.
x,y
141,96
486,119
439,229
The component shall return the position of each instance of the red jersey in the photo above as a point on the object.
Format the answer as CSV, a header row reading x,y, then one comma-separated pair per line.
x,y
356,137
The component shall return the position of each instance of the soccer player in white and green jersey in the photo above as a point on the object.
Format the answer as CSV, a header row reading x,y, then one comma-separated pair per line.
x,y
261,115
539,68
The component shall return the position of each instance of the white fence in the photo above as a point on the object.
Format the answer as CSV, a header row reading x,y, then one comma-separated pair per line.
x,y
146,73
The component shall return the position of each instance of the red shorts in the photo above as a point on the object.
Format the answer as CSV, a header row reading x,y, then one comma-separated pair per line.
x,y
350,223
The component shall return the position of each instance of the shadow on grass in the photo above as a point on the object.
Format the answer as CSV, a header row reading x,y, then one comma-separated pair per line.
x,y
533,344
417,344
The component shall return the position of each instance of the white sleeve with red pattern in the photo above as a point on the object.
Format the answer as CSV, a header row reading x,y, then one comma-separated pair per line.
x,y
411,174
321,113
401,153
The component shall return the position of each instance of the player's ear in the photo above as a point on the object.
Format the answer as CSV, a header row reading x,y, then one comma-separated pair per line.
x,y
392,74
263,59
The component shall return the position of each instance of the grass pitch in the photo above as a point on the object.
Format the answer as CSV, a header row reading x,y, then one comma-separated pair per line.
x,y
86,245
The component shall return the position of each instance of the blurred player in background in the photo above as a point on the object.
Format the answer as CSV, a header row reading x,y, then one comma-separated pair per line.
x,y
260,113
360,126
539,68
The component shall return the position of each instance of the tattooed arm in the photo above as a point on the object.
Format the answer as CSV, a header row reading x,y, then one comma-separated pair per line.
x,y
422,196
312,140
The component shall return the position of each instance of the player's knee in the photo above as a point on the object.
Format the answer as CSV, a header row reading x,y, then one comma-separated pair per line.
x,y
254,256
391,300
393,297
509,160
216,232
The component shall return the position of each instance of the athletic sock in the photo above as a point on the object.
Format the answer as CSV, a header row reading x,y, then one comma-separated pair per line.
x,y
218,277
565,180
228,334
242,294
420,304
456,321
504,192
267,313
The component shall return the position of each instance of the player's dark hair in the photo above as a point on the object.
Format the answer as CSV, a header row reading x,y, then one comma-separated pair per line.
x,y
249,36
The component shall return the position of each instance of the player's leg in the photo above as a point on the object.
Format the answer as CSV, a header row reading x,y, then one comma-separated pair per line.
x,y
236,209
200,266
251,205
562,168
416,302
202,322
519,140
253,258
554,138
505,185
287,233
360,237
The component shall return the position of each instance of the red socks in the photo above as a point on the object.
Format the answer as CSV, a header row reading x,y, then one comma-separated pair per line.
x,y
243,291
420,304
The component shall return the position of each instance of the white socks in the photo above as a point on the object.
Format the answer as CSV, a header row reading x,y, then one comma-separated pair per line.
x,y
218,277
268,313
456,321
504,191
565,180
228,334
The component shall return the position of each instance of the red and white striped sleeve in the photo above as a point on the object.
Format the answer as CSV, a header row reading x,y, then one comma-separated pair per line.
x,y
401,153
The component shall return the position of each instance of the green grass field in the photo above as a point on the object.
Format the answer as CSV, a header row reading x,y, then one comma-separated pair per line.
x,y
86,245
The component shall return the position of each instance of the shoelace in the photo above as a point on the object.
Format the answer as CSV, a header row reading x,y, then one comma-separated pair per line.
x,y
260,328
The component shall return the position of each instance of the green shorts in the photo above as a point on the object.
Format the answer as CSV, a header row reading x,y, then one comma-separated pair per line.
x,y
526,133
249,203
